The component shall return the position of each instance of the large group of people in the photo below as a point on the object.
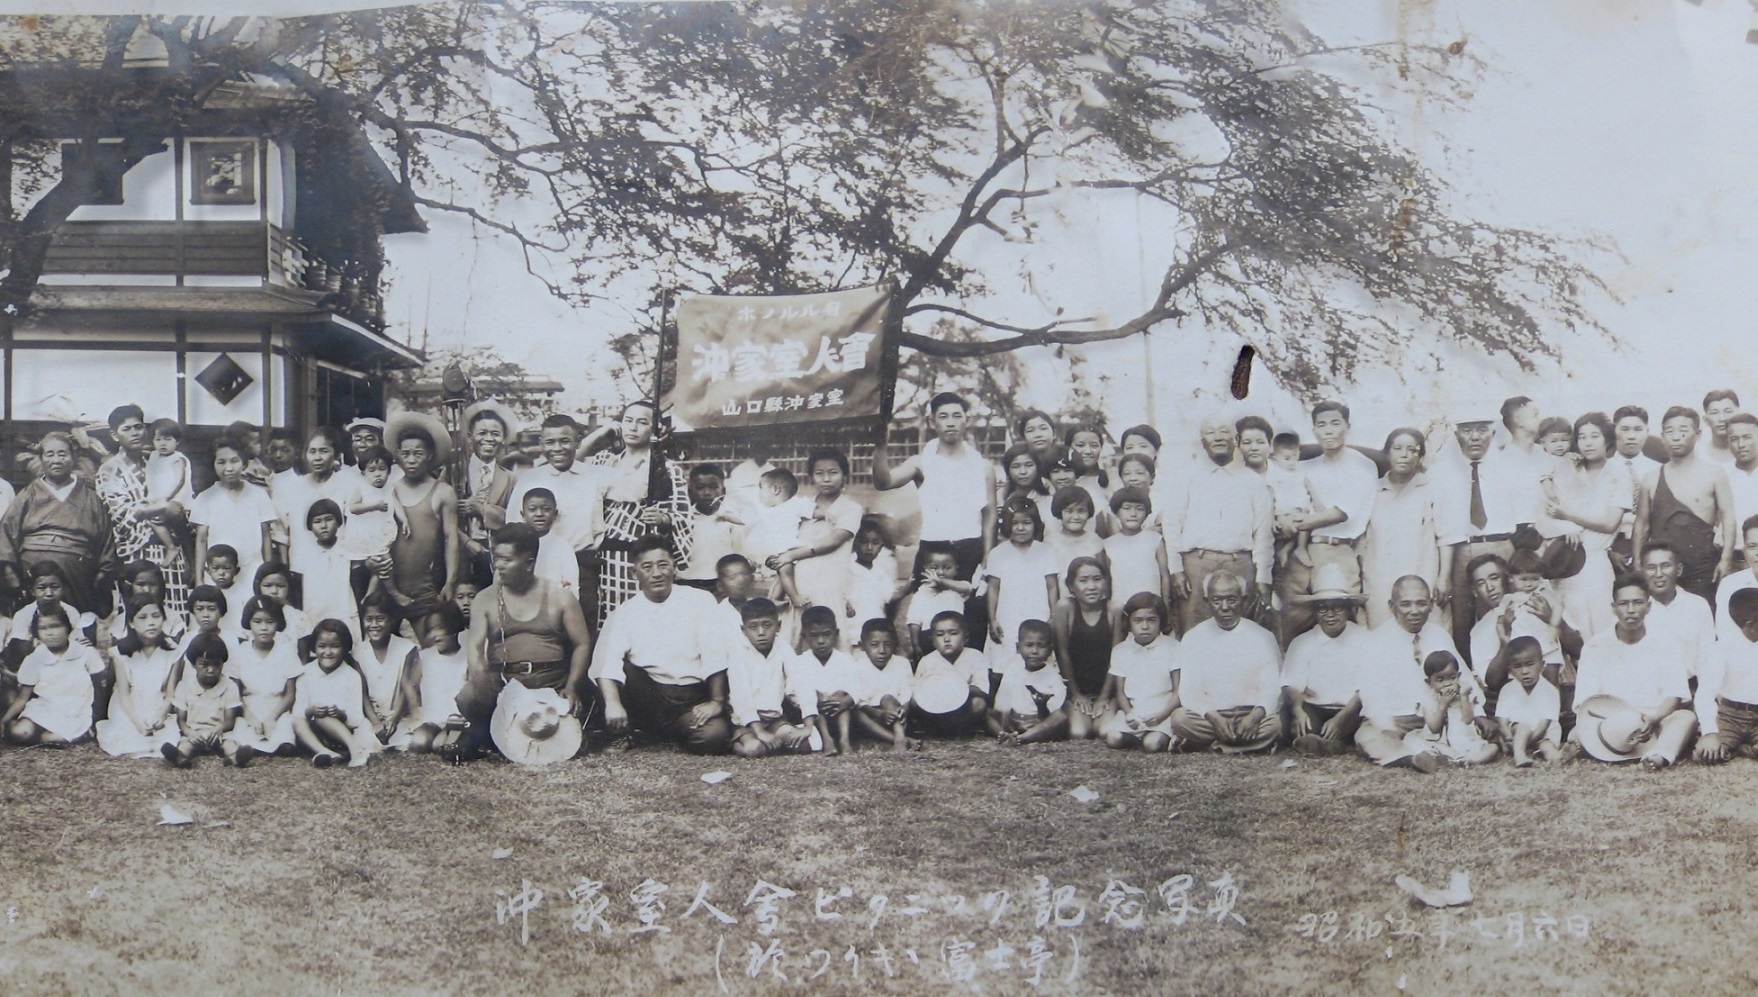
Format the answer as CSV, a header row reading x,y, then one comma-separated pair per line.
x,y
1518,586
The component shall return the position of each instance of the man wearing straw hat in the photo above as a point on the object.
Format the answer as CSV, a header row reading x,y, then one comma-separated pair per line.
x,y
523,629
485,486
1320,674
1632,688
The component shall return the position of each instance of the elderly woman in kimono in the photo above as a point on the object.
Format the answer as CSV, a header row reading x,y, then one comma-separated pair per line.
x,y
60,517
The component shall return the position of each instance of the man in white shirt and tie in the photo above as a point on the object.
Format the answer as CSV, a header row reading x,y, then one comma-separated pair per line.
x,y
1217,519
579,498
1479,501
1630,425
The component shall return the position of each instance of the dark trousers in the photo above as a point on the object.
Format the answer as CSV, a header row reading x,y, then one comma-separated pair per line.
x,y
663,710
968,554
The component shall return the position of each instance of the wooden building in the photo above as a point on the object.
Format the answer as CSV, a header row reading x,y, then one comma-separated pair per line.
x,y
233,276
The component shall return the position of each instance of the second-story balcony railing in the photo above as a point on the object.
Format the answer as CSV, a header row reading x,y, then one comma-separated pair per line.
x,y
125,249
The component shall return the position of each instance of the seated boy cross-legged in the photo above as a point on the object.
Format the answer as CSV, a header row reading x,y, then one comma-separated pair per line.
x,y
831,672
1529,708
1031,704
951,688
758,680
884,699
1727,695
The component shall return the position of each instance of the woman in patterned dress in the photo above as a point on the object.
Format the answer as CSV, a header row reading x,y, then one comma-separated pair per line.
x,y
633,508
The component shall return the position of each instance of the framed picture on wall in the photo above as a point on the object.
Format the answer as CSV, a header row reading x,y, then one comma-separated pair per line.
x,y
222,171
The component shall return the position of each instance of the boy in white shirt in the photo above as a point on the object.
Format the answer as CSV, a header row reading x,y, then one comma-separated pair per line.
x,y
774,528
1031,704
839,681
757,684
952,656
717,532
1529,708
1727,690
939,592
885,697
555,559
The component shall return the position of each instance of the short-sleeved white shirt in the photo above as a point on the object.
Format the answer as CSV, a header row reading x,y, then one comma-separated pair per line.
x,y
234,518
1515,705
1146,669
1326,670
1018,682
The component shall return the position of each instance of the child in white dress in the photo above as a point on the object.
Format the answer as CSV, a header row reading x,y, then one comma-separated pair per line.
x,y
54,700
1073,507
1022,577
373,518
1135,554
384,658
329,701
1449,715
169,478
433,681
144,663
265,666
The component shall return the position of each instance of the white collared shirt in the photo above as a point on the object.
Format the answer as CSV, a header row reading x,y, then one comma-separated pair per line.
x,y
1347,481
1223,669
676,642
1325,669
1641,674
1220,507
579,501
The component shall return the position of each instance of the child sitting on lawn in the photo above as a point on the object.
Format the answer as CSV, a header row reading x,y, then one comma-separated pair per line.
x,y
952,656
55,692
1727,684
758,681
47,585
144,669
1529,707
329,701
885,697
1141,691
207,705
832,672
1030,705
1449,715
265,665
433,680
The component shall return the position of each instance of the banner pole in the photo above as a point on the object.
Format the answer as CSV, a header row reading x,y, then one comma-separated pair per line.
x,y
656,472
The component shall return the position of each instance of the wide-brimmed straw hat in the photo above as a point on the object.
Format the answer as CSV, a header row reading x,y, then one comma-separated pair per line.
x,y
532,726
1610,729
442,437
1329,584
499,410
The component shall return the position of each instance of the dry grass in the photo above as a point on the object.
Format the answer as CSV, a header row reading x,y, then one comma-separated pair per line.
x,y
384,880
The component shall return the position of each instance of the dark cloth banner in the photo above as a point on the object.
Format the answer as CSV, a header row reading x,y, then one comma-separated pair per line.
x,y
764,361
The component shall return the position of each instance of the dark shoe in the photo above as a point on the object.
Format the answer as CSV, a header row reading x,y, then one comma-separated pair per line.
x,y
242,755
172,756
324,759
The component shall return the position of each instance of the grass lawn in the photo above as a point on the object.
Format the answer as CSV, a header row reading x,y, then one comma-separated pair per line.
x,y
385,881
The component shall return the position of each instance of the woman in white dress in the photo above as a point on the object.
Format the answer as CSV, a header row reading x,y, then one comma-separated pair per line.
x,y
1591,499
1401,538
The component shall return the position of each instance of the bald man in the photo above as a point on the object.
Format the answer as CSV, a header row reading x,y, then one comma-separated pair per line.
x,y
1219,518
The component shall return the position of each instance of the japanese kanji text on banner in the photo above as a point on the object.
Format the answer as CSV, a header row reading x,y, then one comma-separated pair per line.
x,y
761,361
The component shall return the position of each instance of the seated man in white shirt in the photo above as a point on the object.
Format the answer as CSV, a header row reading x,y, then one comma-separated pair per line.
x,y
1392,684
1632,688
1727,688
1231,687
1745,578
1674,613
660,661
1320,671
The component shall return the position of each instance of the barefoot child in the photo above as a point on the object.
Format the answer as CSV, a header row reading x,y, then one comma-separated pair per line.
x,y
1143,684
1449,715
758,682
835,676
1031,703
1533,609
433,680
265,666
885,700
329,701
1529,706
207,705
774,528
168,480
54,701
145,668
374,520
1291,494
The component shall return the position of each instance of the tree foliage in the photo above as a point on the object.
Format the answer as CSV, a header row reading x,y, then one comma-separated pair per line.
x,y
633,151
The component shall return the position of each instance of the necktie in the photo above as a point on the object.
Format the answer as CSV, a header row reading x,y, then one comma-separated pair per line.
x,y
483,477
1478,516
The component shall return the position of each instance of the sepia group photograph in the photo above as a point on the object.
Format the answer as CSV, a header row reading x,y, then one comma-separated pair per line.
x,y
878,496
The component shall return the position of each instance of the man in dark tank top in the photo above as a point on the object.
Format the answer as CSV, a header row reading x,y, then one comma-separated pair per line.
x,y
522,629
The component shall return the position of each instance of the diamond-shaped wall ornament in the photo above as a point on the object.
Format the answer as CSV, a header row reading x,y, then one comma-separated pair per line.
x,y
224,379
